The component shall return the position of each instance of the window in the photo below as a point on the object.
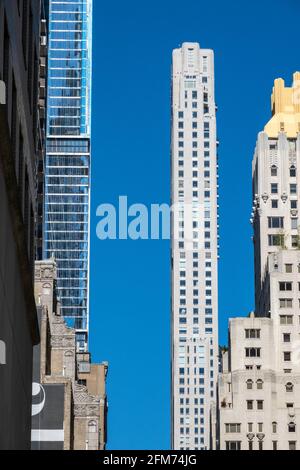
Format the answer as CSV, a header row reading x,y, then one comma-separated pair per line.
x,y
276,240
286,337
286,319
293,188
294,224
252,352
275,222
291,427
274,445
274,427
252,333
92,426
273,170
295,241
287,356
250,427
249,404
285,286
260,445
260,404
249,384
293,172
289,387
274,204
233,445
292,445
286,303
274,188
294,204
259,384
260,427
250,445
233,427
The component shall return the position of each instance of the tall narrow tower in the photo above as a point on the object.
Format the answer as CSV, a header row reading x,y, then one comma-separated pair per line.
x,y
276,182
67,185
194,246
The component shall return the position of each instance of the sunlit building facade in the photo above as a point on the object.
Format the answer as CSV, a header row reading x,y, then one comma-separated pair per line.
x,y
194,247
67,173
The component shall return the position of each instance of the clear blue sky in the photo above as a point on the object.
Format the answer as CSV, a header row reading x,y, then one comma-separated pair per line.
x,y
254,42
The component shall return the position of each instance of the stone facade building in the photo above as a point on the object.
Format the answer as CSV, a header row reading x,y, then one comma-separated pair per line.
x,y
259,389
194,246
74,415
19,139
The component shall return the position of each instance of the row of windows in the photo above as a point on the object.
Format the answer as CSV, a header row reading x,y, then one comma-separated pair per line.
x,y
232,428
293,203
237,445
274,188
280,238
293,171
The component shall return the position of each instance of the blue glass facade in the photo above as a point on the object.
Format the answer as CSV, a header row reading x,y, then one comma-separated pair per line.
x,y
68,156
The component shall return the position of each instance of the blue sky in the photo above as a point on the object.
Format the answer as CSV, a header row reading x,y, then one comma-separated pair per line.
x,y
254,42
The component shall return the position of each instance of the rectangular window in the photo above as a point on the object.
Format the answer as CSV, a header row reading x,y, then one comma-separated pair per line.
x,y
274,188
287,356
292,445
252,352
286,337
252,333
285,286
294,224
275,222
276,240
233,445
233,427
286,319
286,303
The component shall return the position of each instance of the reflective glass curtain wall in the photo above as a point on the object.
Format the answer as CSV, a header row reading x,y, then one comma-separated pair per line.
x,y
67,173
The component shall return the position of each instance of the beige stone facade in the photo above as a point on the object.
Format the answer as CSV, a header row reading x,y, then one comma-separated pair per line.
x,y
85,401
259,388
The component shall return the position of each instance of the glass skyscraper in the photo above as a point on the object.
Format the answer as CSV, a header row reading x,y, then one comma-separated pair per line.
x,y
68,156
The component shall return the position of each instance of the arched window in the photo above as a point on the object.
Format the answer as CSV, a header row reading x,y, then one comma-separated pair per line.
x,y
273,170
293,171
249,384
92,426
292,427
289,387
274,427
259,384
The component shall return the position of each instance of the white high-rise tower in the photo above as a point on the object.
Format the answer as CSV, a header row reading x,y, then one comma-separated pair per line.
x,y
194,246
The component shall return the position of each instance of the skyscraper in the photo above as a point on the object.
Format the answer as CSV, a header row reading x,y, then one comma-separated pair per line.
x,y
67,172
276,180
259,389
194,246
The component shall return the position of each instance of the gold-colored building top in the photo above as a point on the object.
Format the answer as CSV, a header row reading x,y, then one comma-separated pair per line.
x,y
285,102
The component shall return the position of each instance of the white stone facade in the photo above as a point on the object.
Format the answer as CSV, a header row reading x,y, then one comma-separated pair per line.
x,y
259,389
194,246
